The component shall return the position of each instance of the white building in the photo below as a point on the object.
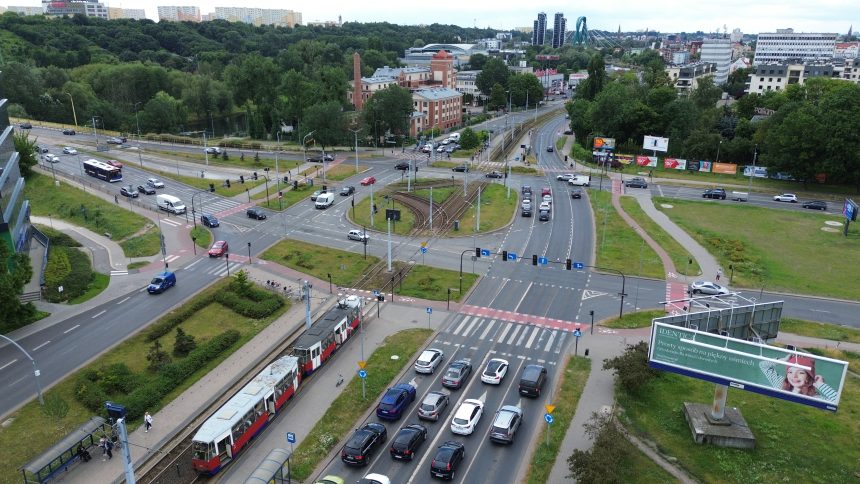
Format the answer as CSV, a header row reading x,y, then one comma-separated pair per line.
x,y
736,36
132,13
466,82
786,45
776,77
851,71
64,7
259,16
25,10
718,52
178,14
686,78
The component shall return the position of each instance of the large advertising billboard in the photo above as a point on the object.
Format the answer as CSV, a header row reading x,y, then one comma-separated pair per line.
x,y
648,161
674,164
725,168
655,143
798,377
601,143
624,159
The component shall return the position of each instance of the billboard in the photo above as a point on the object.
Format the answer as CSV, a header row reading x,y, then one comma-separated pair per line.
x,y
601,143
655,143
649,161
850,210
674,164
756,171
624,159
725,168
704,165
798,377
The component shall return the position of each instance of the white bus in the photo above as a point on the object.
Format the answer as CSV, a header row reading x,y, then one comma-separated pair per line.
x,y
100,169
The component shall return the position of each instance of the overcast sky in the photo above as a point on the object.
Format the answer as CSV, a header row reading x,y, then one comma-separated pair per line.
x,y
750,16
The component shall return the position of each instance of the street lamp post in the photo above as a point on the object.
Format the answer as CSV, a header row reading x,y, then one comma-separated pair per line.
x,y
304,143
718,150
623,285
137,122
250,261
74,115
461,267
591,313
36,371
355,132
227,260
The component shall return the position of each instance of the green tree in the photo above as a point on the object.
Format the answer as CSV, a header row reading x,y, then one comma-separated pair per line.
x,y
162,114
326,121
599,464
631,368
26,149
494,72
157,357
468,139
525,87
477,61
498,98
388,110
580,119
183,343
736,84
794,142
706,94
590,87
12,280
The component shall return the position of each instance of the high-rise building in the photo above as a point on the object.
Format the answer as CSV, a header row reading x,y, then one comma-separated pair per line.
x,y
786,45
559,30
539,31
132,13
259,16
178,14
737,35
88,8
719,52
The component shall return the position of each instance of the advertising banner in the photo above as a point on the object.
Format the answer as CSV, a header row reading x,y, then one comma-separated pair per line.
x,y
756,171
650,161
655,143
604,143
693,165
624,159
725,168
674,164
704,165
798,377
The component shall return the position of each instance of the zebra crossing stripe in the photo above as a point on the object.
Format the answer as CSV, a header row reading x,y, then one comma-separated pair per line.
x,y
532,338
460,326
487,329
550,340
514,334
505,331
471,325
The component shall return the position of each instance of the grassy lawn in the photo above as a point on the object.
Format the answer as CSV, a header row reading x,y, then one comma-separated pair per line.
x,y
496,210
781,250
566,397
348,407
640,319
676,251
819,330
291,197
99,283
559,143
235,159
432,283
440,194
345,267
201,236
361,215
203,183
137,265
828,440
445,164
619,247
525,170
342,171
144,245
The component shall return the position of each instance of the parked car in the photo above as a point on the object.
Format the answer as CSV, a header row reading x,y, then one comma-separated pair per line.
x,y
576,193
429,360
219,248
495,174
708,287
256,213
403,165
636,183
114,163
715,193
69,150
433,405
786,197
161,282
155,183
209,220
358,235
407,440
467,416
347,190
461,169
52,158
363,444
447,460
146,189
69,132
128,191
457,373
506,423
114,141
368,181
395,401
815,205
495,371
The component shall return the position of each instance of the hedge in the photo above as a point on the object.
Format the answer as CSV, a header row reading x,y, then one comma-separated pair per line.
x,y
249,307
70,268
177,316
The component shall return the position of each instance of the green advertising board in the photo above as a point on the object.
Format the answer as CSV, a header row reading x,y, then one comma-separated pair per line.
x,y
790,375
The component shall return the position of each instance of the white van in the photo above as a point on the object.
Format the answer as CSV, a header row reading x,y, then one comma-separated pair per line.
x,y
454,137
580,180
324,200
170,204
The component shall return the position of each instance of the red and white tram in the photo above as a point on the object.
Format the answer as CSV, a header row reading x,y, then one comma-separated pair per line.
x,y
327,334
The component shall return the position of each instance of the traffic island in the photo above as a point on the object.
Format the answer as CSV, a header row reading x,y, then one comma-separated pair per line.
x,y
730,431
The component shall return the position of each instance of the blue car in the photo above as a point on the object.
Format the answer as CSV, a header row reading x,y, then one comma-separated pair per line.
x,y
162,282
395,401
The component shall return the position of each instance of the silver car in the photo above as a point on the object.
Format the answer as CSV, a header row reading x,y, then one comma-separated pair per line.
x,y
429,360
433,405
708,287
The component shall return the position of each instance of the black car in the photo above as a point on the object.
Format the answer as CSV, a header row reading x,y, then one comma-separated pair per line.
x,y
527,212
576,193
209,220
128,191
407,440
69,132
447,459
402,166
815,205
461,168
457,374
26,126
347,191
41,149
636,183
550,149
715,193
256,213
360,447
495,174
146,189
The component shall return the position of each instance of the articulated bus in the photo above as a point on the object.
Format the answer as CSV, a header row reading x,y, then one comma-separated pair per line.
x,y
105,171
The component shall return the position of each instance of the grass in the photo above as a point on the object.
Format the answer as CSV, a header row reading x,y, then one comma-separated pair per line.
x,y
635,466
143,245
291,197
99,283
639,319
677,252
348,407
819,330
440,194
342,171
496,210
361,215
345,267
780,250
445,164
201,236
619,247
432,283
559,143
31,431
137,265
576,371
827,441
234,159
203,183
524,170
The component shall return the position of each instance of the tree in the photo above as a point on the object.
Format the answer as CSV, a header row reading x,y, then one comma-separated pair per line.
x,y
631,368
26,152
498,98
494,72
590,87
468,139
600,463
162,114
326,121
706,94
525,87
157,357
580,120
183,344
477,61
388,111
12,281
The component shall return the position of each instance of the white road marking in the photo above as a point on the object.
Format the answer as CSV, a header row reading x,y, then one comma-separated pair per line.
x,y
41,345
460,326
514,334
487,329
7,364
124,300
469,329
532,338
99,313
71,329
523,335
549,341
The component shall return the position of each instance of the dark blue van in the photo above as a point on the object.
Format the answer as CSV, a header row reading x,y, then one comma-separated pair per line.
x,y
161,282
209,220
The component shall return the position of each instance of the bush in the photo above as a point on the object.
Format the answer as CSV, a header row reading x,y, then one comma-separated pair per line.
x,y
90,394
58,239
157,357
249,308
631,368
78,274
58,267
176,317
183,344
117,378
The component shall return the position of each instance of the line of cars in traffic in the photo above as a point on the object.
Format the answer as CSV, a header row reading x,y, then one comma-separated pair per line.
x,y
720,194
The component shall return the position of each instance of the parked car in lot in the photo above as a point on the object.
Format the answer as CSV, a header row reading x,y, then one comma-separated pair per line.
x,y
429,360
146,190
363,444
255,213
209,220
395,401
433,405
708,287
155,183
128,191
347,190
457,373
506,423
815,205
447,460
219,248
495,371
407,440
461,169
358,235
715,193
52,158
495,174
69,132
403,165
69,150
786,197
368,181
636,183
467,416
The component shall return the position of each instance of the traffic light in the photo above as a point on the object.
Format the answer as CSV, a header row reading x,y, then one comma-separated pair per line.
x,y
242,179
380,298
295,184
569,264
280,194
211,187
255,175
228,182
477,252
534,259
504,255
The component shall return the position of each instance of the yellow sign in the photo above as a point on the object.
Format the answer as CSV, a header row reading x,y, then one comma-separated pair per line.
x,y
362,364
549,408
423,244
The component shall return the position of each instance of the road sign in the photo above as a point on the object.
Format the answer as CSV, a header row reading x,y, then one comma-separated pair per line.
x,y
549,408
362,374
429,310
578,265
577,333
485,252
512,256
291,437
543,261
548,418
423,250
423,244
375,293
362,364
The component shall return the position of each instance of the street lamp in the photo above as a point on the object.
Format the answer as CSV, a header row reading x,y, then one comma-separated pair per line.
x,y
304,143
74,115
227,259
137,122
36,371
591,313
718,150
355,132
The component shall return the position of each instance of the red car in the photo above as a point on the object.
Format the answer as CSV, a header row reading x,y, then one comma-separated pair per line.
x,y
114,163
545,191
218,249
368,181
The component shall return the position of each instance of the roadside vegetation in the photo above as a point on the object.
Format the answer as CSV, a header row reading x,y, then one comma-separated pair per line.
x,y
69,266
814,329
676,251
346,268
424,282
641,319
203,183
497,210
618,246
201,236
361,216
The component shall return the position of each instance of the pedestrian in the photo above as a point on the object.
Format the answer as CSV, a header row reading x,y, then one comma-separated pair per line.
x,y
147,421
719,273
83,453
651,176
103,446
109,448
116,199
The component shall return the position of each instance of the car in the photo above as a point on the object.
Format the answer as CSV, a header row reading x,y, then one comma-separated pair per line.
x,y
406,441
368,181
123,139
427,148
506,423
708,287
213,150
358,235
565,177
448,457
636,183
361,446
544,191
467,416
495,371
441,148
786,197
568,131
403,165
146,190
580,181
446,141
394,402
452,148
219,248
328,157
527,211
429,360
550,149
544,206
433,405
374,478
114,141
543,215
457,373
26,126
209,220
114,163
715,193
154,183
576,193
255,213
41,149
52,158
495,174
815,205
461,169
347,190
128,191
69,132
316,194
547,199
525,189
330,479
69,150
161,282
532,380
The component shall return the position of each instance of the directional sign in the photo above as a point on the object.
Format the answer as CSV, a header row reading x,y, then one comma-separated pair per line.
x,y
362,374
362,364
429,310
485,252
578,265
577,333
291,437
549,408
543,261
512,256
423,250
548,417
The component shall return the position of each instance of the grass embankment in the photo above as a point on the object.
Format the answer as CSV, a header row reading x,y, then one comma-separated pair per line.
x,y
446,164
291,197
781,250
32,430
639,319
334,173
619,247
427,282
566,398
361,215
677,252
70,267
348,407
525,170
819,330
440,194
236,158
201,236
203,183
137,265
497,210
143,245
345,267
80,208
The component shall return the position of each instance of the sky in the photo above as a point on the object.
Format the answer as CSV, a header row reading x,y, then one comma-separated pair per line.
x,y
751,16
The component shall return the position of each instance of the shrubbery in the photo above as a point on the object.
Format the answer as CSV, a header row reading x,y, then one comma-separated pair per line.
x,y
69,268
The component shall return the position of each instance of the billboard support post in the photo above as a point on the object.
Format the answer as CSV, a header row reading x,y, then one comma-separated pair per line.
x,y
718,410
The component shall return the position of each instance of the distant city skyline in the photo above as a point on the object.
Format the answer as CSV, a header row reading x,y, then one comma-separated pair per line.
x,y
666,16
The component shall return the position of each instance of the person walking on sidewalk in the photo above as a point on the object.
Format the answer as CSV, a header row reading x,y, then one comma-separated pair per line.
x,y
109,448
147,421
103,446
719,273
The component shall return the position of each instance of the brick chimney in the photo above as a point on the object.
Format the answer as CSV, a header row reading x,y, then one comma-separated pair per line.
x,y
356,81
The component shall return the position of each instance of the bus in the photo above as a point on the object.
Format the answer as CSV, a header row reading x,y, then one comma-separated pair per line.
x,y
100,169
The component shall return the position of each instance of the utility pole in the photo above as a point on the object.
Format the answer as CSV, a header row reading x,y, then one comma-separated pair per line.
x,y
306,289
389,245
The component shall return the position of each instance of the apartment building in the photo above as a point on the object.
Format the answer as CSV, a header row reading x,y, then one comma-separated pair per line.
x,y
559,29
259,16
686,77
778,76
785,45
539,30
179,13
65,7
440,107
132,13
719,53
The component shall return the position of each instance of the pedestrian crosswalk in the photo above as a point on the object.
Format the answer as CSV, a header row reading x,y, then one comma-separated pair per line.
x,y
217,206
511,334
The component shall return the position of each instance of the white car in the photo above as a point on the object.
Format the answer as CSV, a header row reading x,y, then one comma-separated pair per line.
x,y
440,149
52,158
785,197
467,416
708,287
547,199
374,478
69,150
544,206
155,183
565,177
495,371
429,360
213,150
357,235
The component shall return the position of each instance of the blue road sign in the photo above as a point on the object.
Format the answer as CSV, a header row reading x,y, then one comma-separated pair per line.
x,y
512,256
577,333
485,253
548,417
375,293
291,437
429,310
423,250
543,261
362,374
578,265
